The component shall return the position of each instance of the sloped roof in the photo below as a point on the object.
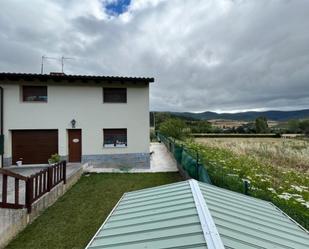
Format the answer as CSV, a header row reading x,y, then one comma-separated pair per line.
x,y
59,77
191,214
246,222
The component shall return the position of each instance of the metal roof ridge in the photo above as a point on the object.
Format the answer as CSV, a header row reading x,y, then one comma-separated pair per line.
x,y
210,232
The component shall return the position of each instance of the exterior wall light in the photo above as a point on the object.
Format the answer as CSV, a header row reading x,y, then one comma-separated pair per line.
x,y
73,123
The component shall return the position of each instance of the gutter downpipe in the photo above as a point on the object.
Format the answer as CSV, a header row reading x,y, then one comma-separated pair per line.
x,y
1,120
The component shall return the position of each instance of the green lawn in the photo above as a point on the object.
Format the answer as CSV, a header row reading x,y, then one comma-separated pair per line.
x,y
73,220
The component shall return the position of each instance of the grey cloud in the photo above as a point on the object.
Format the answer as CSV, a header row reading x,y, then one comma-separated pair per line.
x,y
204,55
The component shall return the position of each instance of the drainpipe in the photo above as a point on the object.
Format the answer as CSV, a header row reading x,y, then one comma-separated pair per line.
x,y
1,120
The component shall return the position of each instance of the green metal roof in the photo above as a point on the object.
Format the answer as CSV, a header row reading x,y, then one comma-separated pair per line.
x,y
193,215
246,222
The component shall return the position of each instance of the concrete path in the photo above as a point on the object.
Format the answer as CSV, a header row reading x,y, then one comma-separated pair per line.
x,y
160,161
28,170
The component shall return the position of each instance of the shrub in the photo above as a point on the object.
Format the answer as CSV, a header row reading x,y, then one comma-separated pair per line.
x,y
175,128
153,136
55,158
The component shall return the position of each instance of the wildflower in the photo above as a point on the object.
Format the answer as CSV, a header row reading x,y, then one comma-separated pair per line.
x,y
285,196
232,174
272,190
246,180
306,204
297,188
300,200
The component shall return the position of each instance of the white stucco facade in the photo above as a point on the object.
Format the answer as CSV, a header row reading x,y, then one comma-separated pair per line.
x,y
84,103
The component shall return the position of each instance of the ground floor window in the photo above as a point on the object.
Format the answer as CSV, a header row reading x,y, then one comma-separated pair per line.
x,y
115,137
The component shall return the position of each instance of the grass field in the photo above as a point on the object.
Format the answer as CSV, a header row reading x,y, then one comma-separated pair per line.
x,y
289,154
73,220
278,169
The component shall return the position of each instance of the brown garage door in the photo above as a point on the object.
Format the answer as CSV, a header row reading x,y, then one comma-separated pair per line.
x,y
34,146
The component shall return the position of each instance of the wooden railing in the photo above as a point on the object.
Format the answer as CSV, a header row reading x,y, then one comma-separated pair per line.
x,y
17,178
36,185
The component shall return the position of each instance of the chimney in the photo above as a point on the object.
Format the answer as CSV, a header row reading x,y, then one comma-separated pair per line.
x,y
57,74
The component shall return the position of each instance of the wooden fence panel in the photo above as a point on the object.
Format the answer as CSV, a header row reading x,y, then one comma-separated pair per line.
x,y
36,185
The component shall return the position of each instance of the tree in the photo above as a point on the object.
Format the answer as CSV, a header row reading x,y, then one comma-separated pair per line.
x,y
175,128
261,125
200,126
293,126
156,118
304,126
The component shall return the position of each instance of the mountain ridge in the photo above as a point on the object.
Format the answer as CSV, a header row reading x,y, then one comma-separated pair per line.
x,y
247,116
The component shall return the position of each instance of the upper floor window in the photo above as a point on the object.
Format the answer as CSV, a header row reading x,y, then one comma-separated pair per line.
x,y
34,93
115,137
115,95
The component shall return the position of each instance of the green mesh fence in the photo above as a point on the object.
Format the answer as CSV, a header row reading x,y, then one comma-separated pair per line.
x,y
185,159
189,164
177,152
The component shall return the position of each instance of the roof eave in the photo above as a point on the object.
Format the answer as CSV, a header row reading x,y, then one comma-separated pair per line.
x,y
72,78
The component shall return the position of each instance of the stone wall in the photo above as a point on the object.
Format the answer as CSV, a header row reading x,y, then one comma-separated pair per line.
x,y
118,161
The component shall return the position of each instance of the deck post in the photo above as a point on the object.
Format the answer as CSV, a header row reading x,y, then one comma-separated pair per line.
x,y
29,193
64,171
4,188
49,178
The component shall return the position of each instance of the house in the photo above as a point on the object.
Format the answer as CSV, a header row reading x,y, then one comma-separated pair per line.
x,y
101,120
193,214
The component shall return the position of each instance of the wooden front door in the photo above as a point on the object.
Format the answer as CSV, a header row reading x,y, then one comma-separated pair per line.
x,y
75,145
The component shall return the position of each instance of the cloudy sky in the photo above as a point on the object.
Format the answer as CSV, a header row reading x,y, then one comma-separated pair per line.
x,y
220,55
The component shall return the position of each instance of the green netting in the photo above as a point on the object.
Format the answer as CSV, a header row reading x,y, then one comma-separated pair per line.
x,y
177,152
185,160
189,164
203,174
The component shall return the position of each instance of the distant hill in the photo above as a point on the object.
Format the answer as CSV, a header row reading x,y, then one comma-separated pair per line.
x,y
246,116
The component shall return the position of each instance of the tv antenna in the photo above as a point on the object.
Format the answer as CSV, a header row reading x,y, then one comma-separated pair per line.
x,y
61,59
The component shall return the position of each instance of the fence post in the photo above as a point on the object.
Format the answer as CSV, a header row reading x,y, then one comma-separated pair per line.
x,y
4,188
64,171
49,178
246,187
197,166
29,193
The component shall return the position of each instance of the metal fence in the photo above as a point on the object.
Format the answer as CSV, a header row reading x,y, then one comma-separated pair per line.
x,y
188,162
